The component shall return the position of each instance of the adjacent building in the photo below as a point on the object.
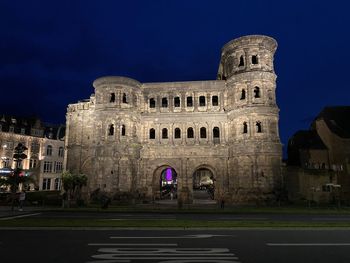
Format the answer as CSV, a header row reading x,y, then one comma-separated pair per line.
x,y
45,152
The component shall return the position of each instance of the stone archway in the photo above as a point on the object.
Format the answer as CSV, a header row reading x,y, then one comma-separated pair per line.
x,y
164,183
203,185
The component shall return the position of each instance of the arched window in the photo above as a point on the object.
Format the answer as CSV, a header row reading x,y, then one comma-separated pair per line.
x,y
152,103
258,127
215,100
123,130
49,150
177,102
112,99
152,133
125,98
255,59
203,133
216,132
190,133
111,130
245,127
241,61
164,133
201,101
256,92
164,102
243,94
60,152
177,133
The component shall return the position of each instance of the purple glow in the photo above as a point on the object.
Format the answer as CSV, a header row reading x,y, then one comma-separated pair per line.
x,y
168,175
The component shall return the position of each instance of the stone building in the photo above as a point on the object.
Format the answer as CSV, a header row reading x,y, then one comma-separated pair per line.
x,y
173,137
320,157
45,152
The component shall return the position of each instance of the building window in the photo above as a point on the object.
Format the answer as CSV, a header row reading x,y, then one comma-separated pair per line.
x,y
111,130
177,133
152,133
203,133
215,100
190,133
123,130
11,129
241,61
152,103
34,147
216,132
255,59
201,101
23,130
256,92
58,167
32,163
164,133
60,152
47,167
189,102
112,98
5,162
245,127
258,127
125,98
46,183
243,94
57,183
177,102
49,150
164,102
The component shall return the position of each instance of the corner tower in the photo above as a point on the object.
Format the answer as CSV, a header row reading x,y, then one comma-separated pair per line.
x,y
255,150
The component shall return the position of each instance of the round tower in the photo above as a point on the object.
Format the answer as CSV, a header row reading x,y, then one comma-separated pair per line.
x,y
255,148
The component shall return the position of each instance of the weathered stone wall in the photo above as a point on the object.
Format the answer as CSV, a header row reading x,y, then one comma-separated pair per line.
x,y
128,132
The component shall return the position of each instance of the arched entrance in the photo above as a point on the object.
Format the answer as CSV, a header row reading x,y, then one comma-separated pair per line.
x,y
203,186
168,183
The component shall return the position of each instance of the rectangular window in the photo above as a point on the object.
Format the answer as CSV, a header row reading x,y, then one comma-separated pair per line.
x,y
47,167
57,183
215,101
189,102
177,102
46,183
32,163
58,167
201,101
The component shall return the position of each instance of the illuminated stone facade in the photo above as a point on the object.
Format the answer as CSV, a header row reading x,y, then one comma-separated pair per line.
x,y
128,132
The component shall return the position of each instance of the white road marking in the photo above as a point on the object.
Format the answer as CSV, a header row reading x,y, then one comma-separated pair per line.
x,y
305,244
176,237
131,244
19,216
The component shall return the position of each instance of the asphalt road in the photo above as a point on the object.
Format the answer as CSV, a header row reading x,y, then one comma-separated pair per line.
x,y
175,246
189,216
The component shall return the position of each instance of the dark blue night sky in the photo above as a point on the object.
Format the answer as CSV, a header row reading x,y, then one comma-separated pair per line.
x,y
51,51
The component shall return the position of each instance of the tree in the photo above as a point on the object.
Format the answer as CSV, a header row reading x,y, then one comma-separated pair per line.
x,y
73,184
17,177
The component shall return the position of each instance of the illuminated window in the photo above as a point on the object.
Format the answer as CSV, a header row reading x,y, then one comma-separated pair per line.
x,y
215,100
177,133
243,94
177,102
123,130
190,133
111,130
256,92
203,132
201,101
152,103
164,102
49,150
255,60
189,102
152,133
245,127
112,98
164,133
